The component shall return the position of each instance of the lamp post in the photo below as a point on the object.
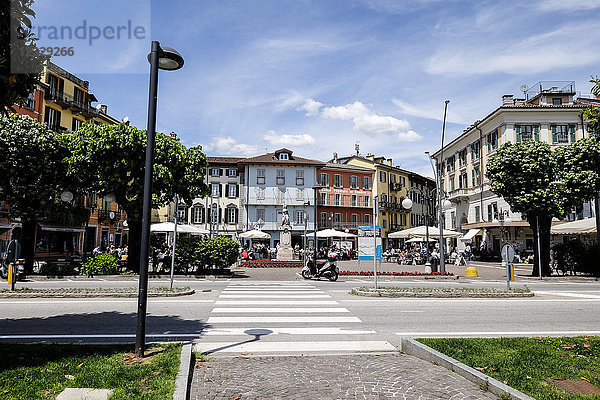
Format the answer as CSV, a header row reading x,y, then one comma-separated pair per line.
x,y
168,59
315,189
440,191
407,203
305,241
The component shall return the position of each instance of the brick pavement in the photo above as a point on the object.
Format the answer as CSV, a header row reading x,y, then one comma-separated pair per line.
x,y
363,376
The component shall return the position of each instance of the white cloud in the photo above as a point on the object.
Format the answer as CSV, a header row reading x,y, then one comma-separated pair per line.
x,y
410,136
228,146
289,140
562,5
311,107
347,112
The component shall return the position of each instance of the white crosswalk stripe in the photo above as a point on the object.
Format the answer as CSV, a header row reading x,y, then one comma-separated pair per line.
x,y
258,317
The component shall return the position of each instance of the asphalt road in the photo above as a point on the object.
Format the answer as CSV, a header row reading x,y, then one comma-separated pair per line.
x,y
287,313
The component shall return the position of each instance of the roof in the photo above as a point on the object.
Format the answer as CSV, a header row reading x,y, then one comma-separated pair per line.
x,y
270,158
223,160
375,163
348,167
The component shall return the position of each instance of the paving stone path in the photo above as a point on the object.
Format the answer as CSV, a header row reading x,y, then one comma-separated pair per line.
x,y
388,376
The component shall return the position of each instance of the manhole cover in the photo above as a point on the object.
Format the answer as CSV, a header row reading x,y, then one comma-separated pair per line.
x,y
575,387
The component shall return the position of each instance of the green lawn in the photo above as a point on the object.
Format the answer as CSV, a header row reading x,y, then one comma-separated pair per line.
x,y
42,371
526,363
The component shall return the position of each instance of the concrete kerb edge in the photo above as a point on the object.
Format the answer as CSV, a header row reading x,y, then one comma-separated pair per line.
x,y
405,294
10,295
182,381
419,350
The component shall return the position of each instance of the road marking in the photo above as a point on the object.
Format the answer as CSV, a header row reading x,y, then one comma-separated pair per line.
x,y
275,302
275,296
570,294
84,300
292,347
235,320
291,310
497,334
111,336
279,331
270,291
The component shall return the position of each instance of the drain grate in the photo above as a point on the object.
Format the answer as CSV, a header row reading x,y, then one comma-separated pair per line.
x,y
575,387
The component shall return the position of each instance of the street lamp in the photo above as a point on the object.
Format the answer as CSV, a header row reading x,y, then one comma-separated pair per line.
x,y
305,218
442,203
168,59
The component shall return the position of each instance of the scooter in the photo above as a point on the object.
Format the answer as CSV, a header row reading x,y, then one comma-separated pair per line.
x,y
326,269
19,269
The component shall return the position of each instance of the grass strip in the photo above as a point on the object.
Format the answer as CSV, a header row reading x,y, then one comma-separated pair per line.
x,y
42,371
527,363
132,290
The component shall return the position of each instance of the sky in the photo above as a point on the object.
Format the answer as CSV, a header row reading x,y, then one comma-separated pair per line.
x,y
319,76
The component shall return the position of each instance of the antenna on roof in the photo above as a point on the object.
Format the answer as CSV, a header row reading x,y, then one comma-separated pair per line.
x,y
357,148
524,89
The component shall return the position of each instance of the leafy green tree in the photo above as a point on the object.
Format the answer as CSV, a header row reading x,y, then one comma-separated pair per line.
x,y
525,175
111,159
592,114
33,174
21,62
219,252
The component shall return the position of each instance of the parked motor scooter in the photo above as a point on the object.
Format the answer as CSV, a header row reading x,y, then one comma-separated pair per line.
x,y
317,269
19,270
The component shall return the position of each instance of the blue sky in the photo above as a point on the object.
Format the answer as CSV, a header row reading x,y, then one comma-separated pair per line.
x,y
318,76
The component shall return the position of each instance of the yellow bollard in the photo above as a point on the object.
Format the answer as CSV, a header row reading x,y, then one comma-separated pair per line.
x,y
512,272
11,275
472,272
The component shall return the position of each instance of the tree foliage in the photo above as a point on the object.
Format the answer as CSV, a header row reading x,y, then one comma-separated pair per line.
x,y
21,62
592,114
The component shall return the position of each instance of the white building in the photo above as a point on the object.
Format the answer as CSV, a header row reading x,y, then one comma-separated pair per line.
x,y
550,112
276,179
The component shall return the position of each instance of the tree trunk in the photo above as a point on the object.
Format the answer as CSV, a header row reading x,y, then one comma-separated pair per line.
x,y
545,223
134,243
27,241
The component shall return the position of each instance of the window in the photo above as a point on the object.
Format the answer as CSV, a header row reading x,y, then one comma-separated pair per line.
x,y
324,179
477,214
215,214
492,210
451,181
492,141
30,101
450,164
337,220
556,101
232,190
198,214
367,201
392,178
299,178
463,183
299,217
384,224
232,172
476,176
232,215
462,158
453,219
338,181
366,219
562,134
366,182
52,118
181,213
354,200
354,182
281,176
382,176
323,219
354,221
403,219
284,156
475,150
260,176
260,215
299,194
215,190
323,199
260,193
76,124
337,199
527,133
215,171
78,97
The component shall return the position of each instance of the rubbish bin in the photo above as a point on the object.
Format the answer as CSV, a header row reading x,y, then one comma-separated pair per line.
x,y
434,264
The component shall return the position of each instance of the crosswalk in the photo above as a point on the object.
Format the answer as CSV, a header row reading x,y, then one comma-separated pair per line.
x,y
283,318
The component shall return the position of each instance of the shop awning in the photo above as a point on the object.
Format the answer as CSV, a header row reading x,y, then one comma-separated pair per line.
x,y
470,235
55,228
585,226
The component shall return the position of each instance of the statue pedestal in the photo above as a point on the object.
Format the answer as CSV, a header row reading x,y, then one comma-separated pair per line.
x,y
285,251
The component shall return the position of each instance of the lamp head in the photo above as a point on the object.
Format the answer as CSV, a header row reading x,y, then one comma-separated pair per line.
x,y
446,204
169,59
407,203
66,196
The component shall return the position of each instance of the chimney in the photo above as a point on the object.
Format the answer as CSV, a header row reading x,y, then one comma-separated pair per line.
x,y
103,108
371,157
389,162
335,158
507,100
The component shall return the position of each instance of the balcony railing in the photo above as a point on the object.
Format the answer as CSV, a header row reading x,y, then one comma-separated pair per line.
x,y
345,203
109,215
66,100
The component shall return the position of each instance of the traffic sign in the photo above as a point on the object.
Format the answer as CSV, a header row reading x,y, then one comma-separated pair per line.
x,y
508,253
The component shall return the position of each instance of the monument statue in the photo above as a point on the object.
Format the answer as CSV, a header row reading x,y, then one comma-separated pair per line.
x,y
285,251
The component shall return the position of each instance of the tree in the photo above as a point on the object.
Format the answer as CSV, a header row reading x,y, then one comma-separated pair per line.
x,y
21,62
111,159
33,174
524,174
592,114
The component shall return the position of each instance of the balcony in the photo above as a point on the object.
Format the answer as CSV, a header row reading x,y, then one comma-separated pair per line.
x,y
104,215
395,187
57,128
458,195
68,101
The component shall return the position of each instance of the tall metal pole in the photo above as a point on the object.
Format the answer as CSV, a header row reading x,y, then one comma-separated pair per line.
x,y
375,199
440,191
175,212
140,336
315,192
539,250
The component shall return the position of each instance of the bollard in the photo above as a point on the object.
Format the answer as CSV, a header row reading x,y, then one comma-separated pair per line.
x,y
472,272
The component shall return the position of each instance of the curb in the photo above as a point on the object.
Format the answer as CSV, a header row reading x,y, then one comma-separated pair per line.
x,y
419,350
184,375
9,295
425,295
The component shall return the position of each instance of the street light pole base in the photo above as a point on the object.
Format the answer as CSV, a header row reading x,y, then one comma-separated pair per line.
x,y
428,267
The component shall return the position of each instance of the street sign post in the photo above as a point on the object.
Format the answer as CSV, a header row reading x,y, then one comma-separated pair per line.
x,y
508,254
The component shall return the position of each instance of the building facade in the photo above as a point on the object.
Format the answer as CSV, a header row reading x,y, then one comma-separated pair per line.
x,y
551,113
274,181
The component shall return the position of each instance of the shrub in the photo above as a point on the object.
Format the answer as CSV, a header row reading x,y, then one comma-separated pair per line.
x,y
59,269
185,252
578,256
220,252
104,264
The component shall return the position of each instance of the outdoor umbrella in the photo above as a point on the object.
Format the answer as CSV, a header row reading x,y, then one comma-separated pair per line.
x,y
417,239
168,227
330,233
421,232
255,234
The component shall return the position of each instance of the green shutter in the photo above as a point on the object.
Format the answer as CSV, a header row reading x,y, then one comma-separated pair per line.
x,y
518,130
536,133
554,138
489,142
572,133
473,177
